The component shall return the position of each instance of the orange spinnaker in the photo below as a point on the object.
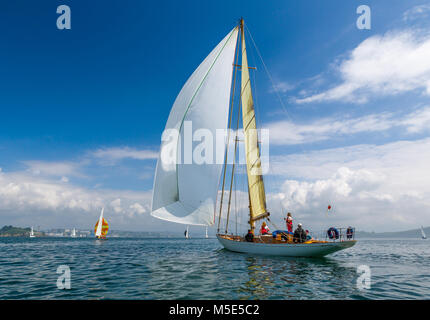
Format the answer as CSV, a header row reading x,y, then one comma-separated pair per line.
x,y
105,227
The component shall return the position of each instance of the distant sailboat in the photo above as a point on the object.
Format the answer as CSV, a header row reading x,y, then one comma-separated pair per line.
x,y
32,233
206,233
187,192
186,234
423,235
101,227
73,235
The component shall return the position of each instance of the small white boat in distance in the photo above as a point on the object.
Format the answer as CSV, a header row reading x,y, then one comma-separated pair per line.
x,y
186,234
73,235
206,236
32,233
423,235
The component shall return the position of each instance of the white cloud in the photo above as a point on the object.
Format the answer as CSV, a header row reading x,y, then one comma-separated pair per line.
x,y
282,87
288,133
372,187
137,208
393,63
417,12
52,168
116,205
23,193
113,155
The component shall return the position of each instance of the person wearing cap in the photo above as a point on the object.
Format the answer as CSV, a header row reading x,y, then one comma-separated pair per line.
x,y
308,236
299,234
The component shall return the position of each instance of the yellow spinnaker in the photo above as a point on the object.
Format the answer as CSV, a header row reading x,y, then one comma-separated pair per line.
x,y
105,227
257,195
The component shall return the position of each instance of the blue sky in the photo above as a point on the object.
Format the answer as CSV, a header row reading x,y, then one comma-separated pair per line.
x,y
82,110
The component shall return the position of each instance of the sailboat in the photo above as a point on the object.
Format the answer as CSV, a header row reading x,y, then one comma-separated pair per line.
x,y
186,234
32,233
187,192
206,236
101,227
73,235
423,235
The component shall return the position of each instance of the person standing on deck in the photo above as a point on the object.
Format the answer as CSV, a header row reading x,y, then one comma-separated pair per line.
x,y
289,221
264,229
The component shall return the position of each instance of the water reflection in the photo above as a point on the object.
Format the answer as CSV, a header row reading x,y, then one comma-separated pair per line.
x,y
290,278
200,269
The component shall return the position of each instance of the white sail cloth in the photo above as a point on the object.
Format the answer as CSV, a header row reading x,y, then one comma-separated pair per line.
x,y
185,191
100,224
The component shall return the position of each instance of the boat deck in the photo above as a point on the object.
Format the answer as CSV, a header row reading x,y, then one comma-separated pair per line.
x,y
267,239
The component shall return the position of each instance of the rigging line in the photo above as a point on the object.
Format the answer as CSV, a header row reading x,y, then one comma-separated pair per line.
x,y
235,201
273,85
272,82
228,131
234,162
239,223
268,73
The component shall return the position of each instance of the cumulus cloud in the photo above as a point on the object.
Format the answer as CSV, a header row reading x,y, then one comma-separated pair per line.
x,y
289,133
388,64
137,208
373,187
22,193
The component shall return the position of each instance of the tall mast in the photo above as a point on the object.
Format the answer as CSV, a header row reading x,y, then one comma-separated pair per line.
x,y
256,191
236,53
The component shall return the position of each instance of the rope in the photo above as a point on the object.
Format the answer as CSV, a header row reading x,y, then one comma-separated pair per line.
x,y
229,125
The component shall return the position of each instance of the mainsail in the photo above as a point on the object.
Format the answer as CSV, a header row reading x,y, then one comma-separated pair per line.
x,y
185,191
102,227
257,195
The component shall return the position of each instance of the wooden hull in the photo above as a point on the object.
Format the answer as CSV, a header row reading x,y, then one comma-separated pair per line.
x,y
285,249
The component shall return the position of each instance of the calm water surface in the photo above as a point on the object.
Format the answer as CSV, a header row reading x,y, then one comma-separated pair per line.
x,y
125,268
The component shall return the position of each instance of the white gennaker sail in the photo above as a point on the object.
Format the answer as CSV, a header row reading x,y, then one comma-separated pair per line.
x,y
184,190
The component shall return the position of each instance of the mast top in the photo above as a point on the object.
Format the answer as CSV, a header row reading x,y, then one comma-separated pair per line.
x,y
241,22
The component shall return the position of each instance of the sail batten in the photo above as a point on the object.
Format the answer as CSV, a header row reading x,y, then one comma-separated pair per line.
x,y
186,192
257,195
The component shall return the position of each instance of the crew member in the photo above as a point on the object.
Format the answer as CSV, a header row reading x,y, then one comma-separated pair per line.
x,y
264,228
299,234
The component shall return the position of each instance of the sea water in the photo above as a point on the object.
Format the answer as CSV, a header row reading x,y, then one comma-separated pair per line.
x,y
141,268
